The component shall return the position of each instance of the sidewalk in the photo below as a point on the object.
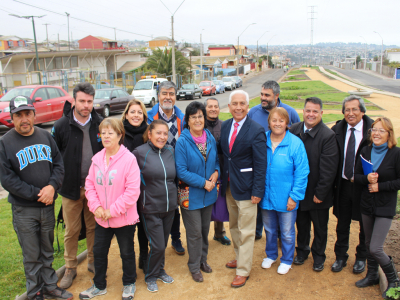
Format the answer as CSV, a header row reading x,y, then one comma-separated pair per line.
x,y
372,73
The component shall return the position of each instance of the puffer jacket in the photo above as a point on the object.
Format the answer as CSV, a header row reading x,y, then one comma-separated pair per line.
x,y
192,169
116,188
159,193
287,173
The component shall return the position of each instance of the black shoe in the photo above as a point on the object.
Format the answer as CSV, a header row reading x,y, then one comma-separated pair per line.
x,y
224,240
258,237
57,293
298,260
338,265
392,277
359,266
177,245
318,267
372,277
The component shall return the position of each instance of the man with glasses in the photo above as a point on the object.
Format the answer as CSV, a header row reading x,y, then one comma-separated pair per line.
x,y
351,137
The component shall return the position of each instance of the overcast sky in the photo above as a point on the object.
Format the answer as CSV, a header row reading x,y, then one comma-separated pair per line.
x,y
287,21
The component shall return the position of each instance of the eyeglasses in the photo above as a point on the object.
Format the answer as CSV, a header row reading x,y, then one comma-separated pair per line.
x,y
376,130
354,110
193,118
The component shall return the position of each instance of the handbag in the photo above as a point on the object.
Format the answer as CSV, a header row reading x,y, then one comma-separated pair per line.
x,y
183,195
220,210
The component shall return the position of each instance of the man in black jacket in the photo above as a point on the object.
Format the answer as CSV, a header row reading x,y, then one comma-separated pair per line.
x,y
31,170
322,153
213,124
78,138
353,131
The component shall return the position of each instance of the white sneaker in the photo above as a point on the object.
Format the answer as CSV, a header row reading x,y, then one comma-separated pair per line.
x,y
267,263
284,268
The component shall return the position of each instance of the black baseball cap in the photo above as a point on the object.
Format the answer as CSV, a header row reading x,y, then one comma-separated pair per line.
x,y
19,103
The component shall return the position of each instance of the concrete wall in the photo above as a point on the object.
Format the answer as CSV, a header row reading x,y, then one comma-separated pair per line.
x,y
122,59
222,52
393,56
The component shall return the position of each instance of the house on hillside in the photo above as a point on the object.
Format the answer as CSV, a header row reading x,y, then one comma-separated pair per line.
x,y
221,50
98,42
393,55
161,42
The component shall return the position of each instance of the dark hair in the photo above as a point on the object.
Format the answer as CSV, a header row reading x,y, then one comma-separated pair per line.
x,y
273,85
361,103
211,98
192,109
314,100
85,87
156,122
34,113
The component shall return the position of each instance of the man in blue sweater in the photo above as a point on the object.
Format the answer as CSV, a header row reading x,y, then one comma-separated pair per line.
x,y
270,91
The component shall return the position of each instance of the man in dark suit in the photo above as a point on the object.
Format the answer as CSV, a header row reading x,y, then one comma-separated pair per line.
x,y
351,137
243,145
322,152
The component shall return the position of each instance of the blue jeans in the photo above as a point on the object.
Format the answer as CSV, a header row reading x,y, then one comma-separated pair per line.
x,y
286,221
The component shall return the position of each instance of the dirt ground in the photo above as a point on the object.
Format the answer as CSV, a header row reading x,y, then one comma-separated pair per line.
x,y
392,243
300,283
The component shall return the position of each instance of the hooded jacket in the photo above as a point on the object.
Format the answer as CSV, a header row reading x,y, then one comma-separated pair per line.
x,y
116,188
192,169
180,116
159,193
287,173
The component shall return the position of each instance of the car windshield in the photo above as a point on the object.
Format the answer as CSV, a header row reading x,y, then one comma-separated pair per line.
x,y
204,84
226,79
143,85
187,87
17,92
101,94
216,81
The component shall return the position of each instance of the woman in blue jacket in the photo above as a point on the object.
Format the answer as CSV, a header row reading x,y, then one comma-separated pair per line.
x,y
197,169
285,186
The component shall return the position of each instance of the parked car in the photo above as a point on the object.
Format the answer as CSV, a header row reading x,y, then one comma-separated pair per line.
x,y
239,81
189,91
48,101
110,100
146,90
208,87
230,83
220,86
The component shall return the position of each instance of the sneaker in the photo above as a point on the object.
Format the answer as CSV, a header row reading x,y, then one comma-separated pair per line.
x,y
38,296
152,286
68,277
224,240
267,263
166,278
57,293
284,268
128,292
92,292
177,245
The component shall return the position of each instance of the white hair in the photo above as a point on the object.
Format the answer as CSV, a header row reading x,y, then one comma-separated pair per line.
x,y
239,92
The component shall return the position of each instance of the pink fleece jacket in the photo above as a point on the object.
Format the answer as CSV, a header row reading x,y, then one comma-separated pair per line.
x,y
116,189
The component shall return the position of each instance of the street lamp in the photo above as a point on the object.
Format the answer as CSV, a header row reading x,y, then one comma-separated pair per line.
x,y
257,44
237,71
69,45
201,55
365,55
381,51
173,41
268,50
34,36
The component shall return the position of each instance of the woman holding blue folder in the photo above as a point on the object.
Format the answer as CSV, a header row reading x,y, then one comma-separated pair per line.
x,y
379,198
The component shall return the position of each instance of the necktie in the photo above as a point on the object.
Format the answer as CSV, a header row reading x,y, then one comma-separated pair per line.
x,y
350,153
307,131
233,137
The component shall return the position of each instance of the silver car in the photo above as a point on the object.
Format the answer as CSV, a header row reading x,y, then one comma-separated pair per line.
x,y
230,83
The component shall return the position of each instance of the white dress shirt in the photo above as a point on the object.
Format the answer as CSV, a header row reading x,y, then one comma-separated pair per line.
x,y
358,133
82,124
233,128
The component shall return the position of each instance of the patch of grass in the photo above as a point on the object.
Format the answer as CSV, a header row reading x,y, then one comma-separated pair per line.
x,y
12,281
296,72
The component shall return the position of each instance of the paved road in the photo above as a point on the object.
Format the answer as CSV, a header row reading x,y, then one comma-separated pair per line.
x,y
388,85
252,86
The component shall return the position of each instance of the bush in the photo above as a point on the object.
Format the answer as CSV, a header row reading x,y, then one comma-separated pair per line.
x,y
129,91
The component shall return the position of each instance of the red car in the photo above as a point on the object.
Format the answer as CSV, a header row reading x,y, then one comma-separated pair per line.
x,y
48,100
208,87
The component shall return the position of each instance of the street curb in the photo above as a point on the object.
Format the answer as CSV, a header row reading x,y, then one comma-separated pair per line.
x,y
60,272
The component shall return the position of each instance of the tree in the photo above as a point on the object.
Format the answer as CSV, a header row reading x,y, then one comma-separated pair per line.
x,y
161,62
264,57
358,59
196,52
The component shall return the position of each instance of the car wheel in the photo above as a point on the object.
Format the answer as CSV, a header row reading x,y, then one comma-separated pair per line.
x,y
106,111
200,95
152,102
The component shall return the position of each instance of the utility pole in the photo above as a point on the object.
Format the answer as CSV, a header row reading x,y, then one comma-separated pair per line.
x,y
381,51
365,52
268,51
312,32
257,46
47,35
69,45
58,36
201,57
173,52
237,70
115,34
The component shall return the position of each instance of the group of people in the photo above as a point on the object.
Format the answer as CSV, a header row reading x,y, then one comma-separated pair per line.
x,y
267,169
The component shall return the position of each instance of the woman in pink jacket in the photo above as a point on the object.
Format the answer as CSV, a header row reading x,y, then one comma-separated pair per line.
x,y
112,190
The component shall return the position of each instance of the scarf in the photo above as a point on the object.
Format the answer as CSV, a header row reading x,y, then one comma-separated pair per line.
x,y
135,130
201,139
377,155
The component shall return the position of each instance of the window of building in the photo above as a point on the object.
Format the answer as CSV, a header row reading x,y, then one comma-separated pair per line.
x,y
30,65
58,63
74,61
10,44
49,63
21,43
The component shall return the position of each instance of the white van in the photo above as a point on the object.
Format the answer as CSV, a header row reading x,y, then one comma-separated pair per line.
x,y
146,90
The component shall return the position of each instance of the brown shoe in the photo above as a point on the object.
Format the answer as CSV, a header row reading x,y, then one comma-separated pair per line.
x,y
198,277
90,267
67,279
205,267
239,281
232,264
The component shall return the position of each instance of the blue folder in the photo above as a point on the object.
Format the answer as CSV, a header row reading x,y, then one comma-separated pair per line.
x,y
367,166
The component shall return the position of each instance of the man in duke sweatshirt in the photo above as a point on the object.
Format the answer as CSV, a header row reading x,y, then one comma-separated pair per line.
x,y
31,170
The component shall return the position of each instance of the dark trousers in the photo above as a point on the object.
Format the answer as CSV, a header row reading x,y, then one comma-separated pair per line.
x,y
142,238
176,226
197,224
157,228
102,242
343,225
34,227
376,230
219,229
260,225
319,218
